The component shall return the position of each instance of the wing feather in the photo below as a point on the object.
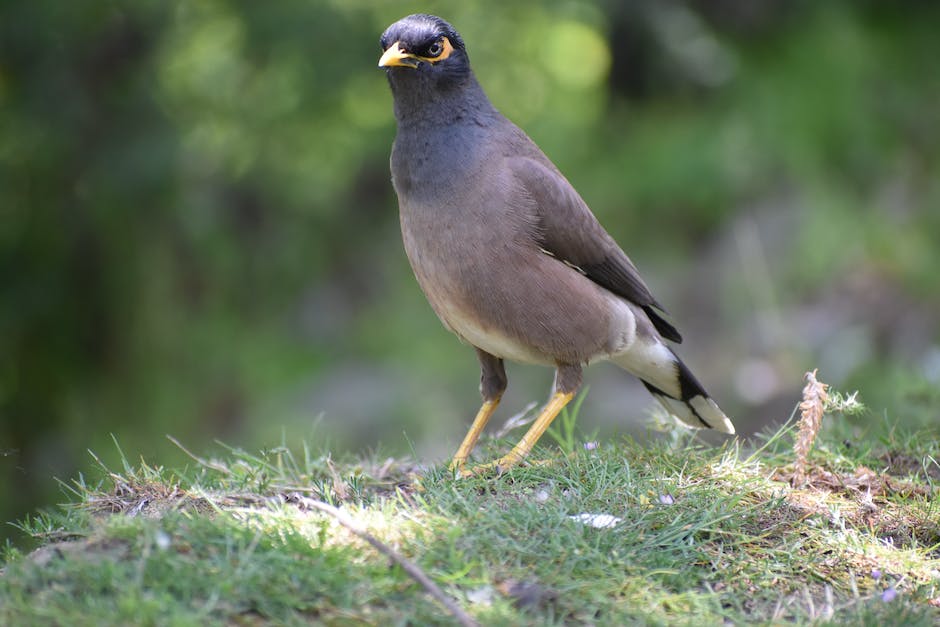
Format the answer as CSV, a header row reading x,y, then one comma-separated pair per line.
x,y
568,231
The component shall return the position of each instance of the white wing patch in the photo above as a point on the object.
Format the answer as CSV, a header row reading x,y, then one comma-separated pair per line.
x,y
573,266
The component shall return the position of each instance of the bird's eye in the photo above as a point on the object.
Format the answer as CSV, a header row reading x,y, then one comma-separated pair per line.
x,y
435,49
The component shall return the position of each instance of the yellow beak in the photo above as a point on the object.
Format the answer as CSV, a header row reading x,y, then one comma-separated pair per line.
x,y
396,57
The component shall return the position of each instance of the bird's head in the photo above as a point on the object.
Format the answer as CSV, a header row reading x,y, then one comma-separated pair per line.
x,y
426,48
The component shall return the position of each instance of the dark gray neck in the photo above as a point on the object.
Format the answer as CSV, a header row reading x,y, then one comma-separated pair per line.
x,y
418,103
441,129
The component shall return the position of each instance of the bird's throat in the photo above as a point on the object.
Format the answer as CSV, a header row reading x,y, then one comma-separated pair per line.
x,y
422,100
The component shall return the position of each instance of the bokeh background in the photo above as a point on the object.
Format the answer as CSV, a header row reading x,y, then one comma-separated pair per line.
x,y
198,236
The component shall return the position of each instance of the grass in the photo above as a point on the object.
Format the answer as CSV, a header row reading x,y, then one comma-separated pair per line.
x,y
700,536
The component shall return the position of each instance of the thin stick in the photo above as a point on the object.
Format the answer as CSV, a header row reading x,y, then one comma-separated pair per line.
x,y
199,460
412,569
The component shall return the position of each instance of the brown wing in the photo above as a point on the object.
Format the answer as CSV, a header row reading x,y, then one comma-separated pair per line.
x,y
570,232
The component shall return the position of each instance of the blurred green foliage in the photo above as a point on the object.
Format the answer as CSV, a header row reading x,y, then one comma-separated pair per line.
x,y
198,235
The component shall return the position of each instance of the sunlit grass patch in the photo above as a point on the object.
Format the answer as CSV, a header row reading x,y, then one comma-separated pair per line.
x,y
668,531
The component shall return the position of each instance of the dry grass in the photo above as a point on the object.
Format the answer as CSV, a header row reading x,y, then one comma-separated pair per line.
x,y
812,409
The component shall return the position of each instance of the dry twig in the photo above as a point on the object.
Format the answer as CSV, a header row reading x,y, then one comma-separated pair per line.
x,y
409,567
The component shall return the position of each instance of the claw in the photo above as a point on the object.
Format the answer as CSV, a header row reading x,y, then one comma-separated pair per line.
x,y
519,452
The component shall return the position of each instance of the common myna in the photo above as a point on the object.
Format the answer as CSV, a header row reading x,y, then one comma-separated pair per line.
x,y
508,254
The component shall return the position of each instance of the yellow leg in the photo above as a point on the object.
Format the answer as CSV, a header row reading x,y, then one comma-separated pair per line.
x,y
463,453
520,450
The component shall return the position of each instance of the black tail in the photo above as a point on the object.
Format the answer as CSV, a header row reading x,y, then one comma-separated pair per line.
x,y
692,405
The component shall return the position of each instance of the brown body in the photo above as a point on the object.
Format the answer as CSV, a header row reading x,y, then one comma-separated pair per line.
x,y
481,280
506,251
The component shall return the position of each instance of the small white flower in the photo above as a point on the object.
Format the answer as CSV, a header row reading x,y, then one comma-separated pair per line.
x,y
162,540
481,596
598,521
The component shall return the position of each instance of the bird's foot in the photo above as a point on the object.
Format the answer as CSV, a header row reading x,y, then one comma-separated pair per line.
x,y
498,467
481,470
460,469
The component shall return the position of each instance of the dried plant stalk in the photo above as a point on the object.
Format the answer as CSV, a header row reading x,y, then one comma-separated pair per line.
x,y
812,408
464,619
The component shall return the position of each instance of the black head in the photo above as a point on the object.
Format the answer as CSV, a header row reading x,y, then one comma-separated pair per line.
x,y
425,45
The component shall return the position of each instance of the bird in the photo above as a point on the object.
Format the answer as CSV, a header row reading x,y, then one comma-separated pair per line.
x,y
508,254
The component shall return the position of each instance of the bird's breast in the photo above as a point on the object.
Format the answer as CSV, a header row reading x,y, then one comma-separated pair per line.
x,y
457,258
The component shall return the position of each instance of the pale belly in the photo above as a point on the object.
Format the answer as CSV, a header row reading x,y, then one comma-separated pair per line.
x,y
490,340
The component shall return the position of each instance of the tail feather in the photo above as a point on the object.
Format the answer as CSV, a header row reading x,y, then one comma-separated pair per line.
x,y
672,383
699,411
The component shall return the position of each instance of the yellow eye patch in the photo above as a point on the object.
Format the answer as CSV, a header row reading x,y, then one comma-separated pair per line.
x,y
446,50
396,56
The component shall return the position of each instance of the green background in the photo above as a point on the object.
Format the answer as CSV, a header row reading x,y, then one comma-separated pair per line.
x,y
198,236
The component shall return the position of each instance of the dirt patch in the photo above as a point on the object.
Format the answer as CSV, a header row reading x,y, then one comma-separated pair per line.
x,y
861,500
902,465
863,481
